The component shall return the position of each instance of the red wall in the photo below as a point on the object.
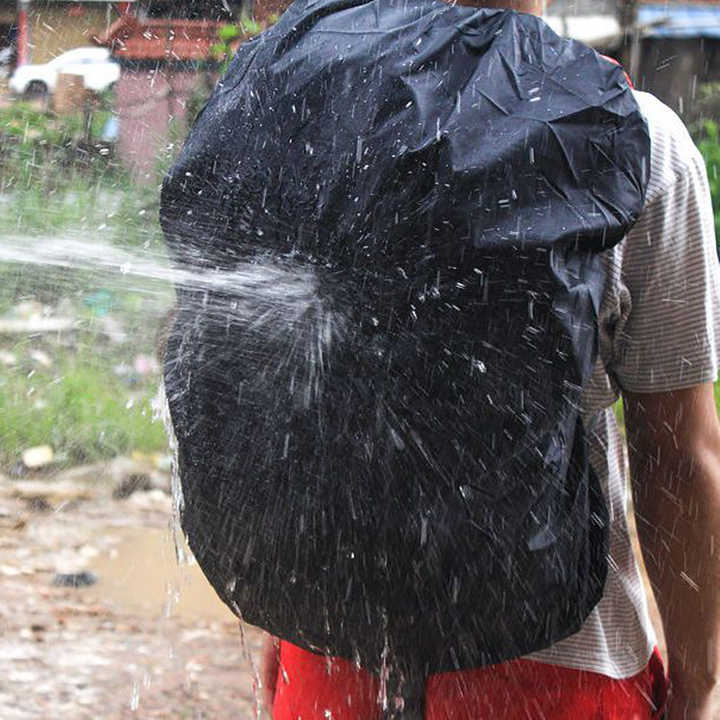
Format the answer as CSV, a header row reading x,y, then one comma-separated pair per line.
x,y
146,102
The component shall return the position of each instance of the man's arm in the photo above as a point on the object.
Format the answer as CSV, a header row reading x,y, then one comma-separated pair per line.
x,y
674,445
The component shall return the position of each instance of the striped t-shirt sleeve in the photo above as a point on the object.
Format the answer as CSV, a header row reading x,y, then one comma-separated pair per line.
x,y
668,334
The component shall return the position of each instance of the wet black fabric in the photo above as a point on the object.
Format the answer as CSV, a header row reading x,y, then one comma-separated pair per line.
x,y
398,210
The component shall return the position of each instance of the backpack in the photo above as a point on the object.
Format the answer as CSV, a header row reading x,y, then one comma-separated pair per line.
x,y
393,214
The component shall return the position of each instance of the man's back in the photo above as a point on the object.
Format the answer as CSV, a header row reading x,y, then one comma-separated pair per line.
x,y
395,206
660,337
660,325
419,408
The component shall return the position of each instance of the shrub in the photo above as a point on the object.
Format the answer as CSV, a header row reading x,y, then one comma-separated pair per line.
x,y
709,146
42,149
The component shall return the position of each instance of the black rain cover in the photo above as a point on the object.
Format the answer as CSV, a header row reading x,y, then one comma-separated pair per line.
x,y
395,211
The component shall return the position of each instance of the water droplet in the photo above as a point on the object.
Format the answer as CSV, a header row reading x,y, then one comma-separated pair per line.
x,y
134,696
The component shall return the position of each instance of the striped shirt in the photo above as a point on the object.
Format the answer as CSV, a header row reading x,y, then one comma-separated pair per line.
x,y
659,331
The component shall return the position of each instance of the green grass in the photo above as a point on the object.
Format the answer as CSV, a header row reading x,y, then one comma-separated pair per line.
x,y
109,209
52,183
51,179
80,405
79,408
31,123
89,403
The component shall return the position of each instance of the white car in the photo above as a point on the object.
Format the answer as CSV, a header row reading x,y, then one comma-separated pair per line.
x,y
93,63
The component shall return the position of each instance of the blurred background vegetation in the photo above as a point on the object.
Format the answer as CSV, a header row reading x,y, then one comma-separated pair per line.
x,y
706,133
87,392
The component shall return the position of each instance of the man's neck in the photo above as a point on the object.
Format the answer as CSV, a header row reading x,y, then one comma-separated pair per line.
x,y
535,7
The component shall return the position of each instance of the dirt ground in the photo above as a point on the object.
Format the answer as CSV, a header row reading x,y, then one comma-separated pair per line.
x,y
148,640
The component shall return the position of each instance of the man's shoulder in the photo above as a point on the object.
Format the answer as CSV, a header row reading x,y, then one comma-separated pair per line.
x,y
673,152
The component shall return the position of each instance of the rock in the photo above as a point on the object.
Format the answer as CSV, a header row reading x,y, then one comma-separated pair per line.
x,y
128,475
41,358
50,491
130,485
123,475
90,474
7,358
34,325
39,505
37,457
76,580
18,470
122,467
10,520
113,329
88,551
27,308
9,571
152,500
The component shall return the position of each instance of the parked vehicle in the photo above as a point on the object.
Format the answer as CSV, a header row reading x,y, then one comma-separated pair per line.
x,y
93,63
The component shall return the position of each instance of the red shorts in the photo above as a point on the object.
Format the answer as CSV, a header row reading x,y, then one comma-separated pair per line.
x,y
313,687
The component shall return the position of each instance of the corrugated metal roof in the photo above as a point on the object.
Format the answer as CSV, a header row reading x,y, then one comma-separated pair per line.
x,y
680,21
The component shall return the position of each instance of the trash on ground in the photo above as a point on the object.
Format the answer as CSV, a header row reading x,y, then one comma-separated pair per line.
x,y
37,457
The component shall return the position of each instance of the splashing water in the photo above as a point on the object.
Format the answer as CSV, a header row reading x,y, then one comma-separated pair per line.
x,y
276,284
276,296
161,411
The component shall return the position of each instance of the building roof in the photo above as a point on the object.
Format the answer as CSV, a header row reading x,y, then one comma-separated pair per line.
x,y
680,20
595,22
167,39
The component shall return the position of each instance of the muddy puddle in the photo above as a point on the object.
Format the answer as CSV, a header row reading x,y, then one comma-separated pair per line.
x,y
149,639
138,573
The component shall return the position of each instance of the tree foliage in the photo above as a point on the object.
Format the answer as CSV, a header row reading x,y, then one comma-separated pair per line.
x,y
709,146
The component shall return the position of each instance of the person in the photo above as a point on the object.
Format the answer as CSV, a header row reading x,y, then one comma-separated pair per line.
x,y
659,351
